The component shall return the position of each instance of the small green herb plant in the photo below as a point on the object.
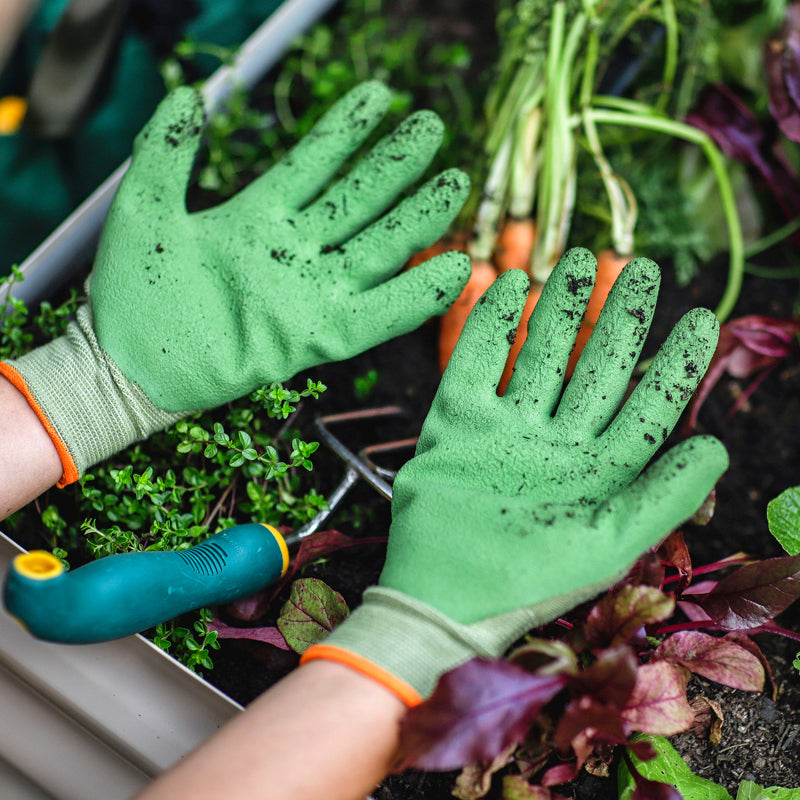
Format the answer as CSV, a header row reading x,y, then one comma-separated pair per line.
x,y
244,462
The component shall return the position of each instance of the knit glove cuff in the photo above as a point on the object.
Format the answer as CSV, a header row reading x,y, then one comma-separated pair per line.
x,y
406,644
88,407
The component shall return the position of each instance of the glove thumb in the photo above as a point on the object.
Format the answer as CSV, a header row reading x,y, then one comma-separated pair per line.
x,y
668,492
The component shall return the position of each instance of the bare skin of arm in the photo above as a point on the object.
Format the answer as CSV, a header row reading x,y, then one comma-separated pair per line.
x,y
324,731
29,462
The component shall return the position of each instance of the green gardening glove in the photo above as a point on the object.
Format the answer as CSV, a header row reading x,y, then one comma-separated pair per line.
x,y
515,509
191,310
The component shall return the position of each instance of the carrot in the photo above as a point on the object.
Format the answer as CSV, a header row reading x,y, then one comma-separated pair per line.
x,y
609,266
453,241
483,275
515,244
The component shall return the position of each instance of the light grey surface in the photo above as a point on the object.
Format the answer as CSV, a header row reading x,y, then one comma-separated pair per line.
x,y
83,721
72,242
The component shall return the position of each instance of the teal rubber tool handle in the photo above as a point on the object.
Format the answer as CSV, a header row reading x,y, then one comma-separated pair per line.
x,y
120,595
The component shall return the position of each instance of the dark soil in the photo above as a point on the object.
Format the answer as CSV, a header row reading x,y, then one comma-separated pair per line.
x,y
760,735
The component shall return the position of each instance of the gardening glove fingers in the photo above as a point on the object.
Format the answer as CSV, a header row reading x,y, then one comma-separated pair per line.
x,y
403,303
312,163
480,354
163,155
601,377
505,518
246,293
655,405
541,364
415,223
375,182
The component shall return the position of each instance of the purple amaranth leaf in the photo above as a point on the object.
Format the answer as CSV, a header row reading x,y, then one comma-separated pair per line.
x,y
312,611
515,787
716,658
739,134
560,773
751,345
658,704
624,611
269,635
610,680
782,63
586,723
317,545
754,594
674,553
476,711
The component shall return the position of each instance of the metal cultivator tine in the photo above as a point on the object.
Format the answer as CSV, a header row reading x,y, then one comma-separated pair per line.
x,y
357,466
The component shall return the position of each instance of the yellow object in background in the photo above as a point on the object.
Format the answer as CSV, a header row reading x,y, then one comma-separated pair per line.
x,y
12,112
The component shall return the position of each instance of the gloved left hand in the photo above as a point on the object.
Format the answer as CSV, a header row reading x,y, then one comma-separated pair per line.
x,y
191,310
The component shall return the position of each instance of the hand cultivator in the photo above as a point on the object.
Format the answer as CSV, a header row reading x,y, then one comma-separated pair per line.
x,y
124,594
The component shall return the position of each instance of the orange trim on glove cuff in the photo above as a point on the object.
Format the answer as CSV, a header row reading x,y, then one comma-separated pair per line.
x,y
407,694
70,474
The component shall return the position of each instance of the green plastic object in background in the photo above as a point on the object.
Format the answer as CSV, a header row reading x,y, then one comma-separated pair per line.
x,y
515,509
43,180
121,595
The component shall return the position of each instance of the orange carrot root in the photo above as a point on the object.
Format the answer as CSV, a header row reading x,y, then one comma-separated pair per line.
x,y
515,245
453,241
483,275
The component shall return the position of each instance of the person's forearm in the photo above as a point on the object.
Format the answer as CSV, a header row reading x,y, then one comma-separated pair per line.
x,y
324,731
29,461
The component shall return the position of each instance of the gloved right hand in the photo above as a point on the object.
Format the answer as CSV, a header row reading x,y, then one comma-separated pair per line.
x,y
188,311
515,509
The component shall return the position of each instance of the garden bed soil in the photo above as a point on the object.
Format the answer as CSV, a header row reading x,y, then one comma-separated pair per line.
x,y
760,734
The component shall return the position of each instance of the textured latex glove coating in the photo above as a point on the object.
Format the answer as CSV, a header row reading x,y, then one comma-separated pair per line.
x,y
533,498
292,272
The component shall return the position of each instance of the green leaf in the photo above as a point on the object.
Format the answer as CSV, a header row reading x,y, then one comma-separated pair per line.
x,y
751,791
783,518
312,611
668,767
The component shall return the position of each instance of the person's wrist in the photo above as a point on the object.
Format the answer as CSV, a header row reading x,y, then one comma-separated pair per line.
x,y
88,407
407,645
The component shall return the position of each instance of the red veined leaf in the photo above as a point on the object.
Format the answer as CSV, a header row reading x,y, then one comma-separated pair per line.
x,y
610,680
715,658
476,711
624,611
747,345
739,134
658,704
586,722
782,62
646,571
317,545
674,552
754,594
743,640
268,635
312,611
560,773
